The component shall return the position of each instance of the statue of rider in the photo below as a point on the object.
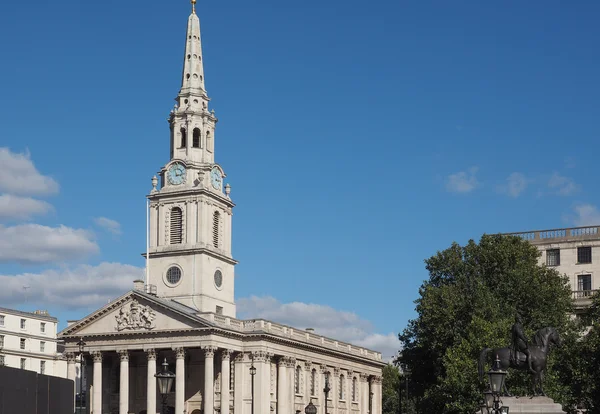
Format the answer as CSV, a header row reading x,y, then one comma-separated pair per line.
x,y
519,342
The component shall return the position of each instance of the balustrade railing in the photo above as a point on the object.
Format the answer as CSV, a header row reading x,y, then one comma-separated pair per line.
x,y
559,234
584,294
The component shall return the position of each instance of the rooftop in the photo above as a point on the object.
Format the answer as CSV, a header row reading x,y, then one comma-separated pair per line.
x,y
560,235
38,314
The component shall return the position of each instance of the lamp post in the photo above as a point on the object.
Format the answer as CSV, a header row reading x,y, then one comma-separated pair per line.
x,y
310,409
496,378
165,383
326,391
252,374
81,345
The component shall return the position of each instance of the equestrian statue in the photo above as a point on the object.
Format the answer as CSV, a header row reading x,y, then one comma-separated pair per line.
x,y
524,355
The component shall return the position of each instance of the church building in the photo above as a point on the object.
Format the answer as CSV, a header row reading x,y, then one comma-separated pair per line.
x,y
185,312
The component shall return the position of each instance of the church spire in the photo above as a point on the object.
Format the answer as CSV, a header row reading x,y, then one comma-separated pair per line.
x,y
192,80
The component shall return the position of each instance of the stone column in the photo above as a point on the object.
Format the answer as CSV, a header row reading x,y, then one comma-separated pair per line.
x,y
307,382
97,407
291,375
335,388
225,370
179,381
238,383
151,382
124,382
376,384
363,402
320,393
71,373
282,386
209,379
161,225
153,225
262,384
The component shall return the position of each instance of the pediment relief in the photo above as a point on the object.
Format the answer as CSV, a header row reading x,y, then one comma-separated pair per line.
x,y
132,314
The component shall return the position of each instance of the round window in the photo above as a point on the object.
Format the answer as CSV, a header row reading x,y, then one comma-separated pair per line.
x,y
218,278
174,275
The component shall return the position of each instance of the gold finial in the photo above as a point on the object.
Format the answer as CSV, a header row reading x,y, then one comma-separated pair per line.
x,y
193,6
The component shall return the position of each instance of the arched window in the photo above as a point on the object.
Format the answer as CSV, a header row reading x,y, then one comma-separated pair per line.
x,y
297,380
342,385
216,224
313,382
196,141
354,389
209,143
176,226
183,138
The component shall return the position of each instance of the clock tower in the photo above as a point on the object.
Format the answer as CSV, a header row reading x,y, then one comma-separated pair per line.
x,y
189,246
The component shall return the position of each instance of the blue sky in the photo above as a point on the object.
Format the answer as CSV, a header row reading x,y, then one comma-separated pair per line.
x,y
358,138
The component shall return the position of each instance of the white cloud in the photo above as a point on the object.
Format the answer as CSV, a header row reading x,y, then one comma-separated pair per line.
x,y
19,175
586,215
81,287
561,185
340,325
34,243
21,208
463,181
109,225
515,184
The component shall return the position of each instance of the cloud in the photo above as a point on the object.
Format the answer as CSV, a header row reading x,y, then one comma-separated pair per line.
x,y
37,244
340,325
19,175
561,185
515,184
81,287
109,225
21,208
586,215
463,181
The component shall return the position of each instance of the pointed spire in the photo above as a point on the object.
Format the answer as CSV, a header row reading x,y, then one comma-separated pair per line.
x,y
193,6
192,82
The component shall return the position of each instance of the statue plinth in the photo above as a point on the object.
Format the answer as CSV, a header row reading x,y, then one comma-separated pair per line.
x,y
537,405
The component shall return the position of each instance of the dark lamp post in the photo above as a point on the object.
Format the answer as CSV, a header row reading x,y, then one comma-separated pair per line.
x,y
310,409
492,396
81,344
326,391
252,374
165,383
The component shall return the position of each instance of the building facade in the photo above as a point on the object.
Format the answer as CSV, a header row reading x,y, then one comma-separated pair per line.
x,y
28,341
184,313
574,252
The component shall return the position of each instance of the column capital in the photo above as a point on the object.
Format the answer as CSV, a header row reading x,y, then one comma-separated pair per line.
x,y
363,377
209,351
287,361
179,353
226,354
151,354
240,357
376,379
123,354
262,356
324,369
350,373
70,357
336,371
308,365
97,356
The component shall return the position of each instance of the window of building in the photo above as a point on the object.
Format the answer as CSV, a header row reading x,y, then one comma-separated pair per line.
x,y
209,143
1,341
297,379
23,363
2,361
173,275
22,342
216,220
42,327
23,323
342,385
313,382
176,225
584,254
42,346
219,310
196,141
2,320
553,257
183,138
42,367
584,285
354,389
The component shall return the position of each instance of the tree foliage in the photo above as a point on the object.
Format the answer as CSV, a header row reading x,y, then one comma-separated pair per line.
x,y
469,303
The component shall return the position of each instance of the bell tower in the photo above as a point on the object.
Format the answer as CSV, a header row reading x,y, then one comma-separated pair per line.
x,y
189,252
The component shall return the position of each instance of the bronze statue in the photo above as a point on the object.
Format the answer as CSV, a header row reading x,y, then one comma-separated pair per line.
x,y
536,361
519,343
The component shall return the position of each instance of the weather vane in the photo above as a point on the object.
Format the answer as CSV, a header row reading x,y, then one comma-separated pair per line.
x,y
193,6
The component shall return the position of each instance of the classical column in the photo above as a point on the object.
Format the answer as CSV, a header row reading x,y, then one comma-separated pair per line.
x,y
209,379
71,373
239,379
180,381
153,225
376,384
225,370
151,382
363,399
307,381
161,225
124,382
281,386
97,407
323,370
262,385
335,388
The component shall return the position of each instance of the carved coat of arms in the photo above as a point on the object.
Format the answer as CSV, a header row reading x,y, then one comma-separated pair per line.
x,y
135,316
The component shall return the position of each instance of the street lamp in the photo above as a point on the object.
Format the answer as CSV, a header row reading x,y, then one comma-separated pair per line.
x,y
81,345
496,378
310,409
165,383
326,390
252,374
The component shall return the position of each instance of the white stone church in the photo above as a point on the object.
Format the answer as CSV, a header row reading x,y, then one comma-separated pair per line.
x,y
185,311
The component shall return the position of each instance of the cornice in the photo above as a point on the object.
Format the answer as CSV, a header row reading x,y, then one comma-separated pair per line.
x,y
191,251
186,192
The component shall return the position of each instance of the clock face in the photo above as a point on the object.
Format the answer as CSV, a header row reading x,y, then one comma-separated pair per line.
x,y
218,279
176,174
216,179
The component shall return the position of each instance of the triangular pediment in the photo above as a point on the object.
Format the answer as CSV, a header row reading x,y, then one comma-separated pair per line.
x,y
136,312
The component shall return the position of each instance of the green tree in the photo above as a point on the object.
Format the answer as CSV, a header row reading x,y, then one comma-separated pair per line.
x,y
390,387
469,303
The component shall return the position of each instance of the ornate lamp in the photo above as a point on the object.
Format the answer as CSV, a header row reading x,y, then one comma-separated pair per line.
x,y
165,383
497,377
310,409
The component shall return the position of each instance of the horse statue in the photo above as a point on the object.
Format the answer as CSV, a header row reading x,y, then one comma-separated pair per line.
x,y
538,353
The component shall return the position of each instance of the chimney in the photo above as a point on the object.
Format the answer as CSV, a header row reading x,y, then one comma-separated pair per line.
x,y
138,285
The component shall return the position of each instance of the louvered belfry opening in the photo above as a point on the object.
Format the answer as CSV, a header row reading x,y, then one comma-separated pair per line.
x,y
176,225
216,218
196,138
